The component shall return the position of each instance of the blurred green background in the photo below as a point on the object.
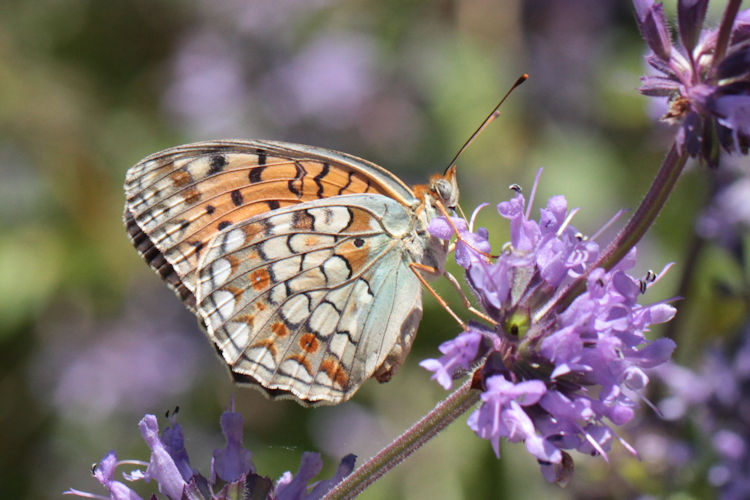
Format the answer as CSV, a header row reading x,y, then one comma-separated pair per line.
x,y
90,339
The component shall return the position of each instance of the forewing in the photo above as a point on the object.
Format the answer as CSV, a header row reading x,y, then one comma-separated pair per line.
x,y
178,200
312,300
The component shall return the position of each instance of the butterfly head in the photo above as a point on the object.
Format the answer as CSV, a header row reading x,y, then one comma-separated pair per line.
x,y
444,188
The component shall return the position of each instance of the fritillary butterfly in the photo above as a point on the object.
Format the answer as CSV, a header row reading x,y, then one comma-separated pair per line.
x,y
297,260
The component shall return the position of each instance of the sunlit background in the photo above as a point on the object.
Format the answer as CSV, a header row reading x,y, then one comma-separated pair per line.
x,y
91,339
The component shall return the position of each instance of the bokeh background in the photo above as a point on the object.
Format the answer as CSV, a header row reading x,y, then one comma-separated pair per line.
x,y
90,339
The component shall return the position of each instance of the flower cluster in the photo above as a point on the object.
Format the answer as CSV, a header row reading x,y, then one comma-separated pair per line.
x,y
712,401
552,375
706,77
233,474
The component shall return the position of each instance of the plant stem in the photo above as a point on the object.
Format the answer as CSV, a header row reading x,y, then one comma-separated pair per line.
x,y
646,213
407,443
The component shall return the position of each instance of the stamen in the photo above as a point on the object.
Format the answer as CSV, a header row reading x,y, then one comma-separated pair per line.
x,y
474,215
566,222
533,191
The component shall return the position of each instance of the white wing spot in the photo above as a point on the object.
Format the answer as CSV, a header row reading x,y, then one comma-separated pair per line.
x,y
220,271
280,224
234,240
336,269
199,167
324,319
312,278
304,242
329,219
278,294
255,357
285,269
316,258
276,248
361,300
296,309
224,301
239,337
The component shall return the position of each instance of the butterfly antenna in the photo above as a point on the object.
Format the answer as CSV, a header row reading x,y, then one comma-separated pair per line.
x,y
495,113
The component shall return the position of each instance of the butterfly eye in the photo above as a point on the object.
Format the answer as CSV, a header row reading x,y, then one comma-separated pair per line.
x,y
444,190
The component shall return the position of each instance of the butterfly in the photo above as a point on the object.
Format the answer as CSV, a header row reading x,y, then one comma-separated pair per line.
x,y
298,261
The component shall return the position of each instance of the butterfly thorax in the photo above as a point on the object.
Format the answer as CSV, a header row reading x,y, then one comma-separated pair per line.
x,y
436,199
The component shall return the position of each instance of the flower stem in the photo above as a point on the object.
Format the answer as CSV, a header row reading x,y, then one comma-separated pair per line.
x,y
648,210
407,443
642,219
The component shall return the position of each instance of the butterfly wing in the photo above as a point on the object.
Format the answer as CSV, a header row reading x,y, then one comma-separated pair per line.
x,y
177,200
185,202
313,299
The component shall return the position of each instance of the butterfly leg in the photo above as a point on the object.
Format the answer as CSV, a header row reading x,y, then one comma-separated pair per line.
x,y
467,303
418,269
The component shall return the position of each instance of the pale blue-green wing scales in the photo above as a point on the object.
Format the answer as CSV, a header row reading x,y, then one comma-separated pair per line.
x,y
313,299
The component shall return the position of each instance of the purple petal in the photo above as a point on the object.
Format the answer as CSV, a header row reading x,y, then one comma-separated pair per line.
x,y
161,467
346,466
469,246
736,64
653,25
458,353
439,227
734,112
106,468
552,217
296,488
656,353
658,86
690,17
233,461
174,442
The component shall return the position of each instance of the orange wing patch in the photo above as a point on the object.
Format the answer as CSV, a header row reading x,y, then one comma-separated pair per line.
x,y
335,371
356,251
260,280
309,343
280,329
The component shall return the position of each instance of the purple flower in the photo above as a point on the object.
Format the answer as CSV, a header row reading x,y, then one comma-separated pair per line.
x,y
727,217
708,89
711,402
232,471
103,472
555,375
458,354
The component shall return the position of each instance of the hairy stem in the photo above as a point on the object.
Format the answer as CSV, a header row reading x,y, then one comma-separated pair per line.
x,y
407,443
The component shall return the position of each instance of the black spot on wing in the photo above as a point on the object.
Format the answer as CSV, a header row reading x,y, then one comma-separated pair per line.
x,y
197,246
255,174
216,164
237,197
